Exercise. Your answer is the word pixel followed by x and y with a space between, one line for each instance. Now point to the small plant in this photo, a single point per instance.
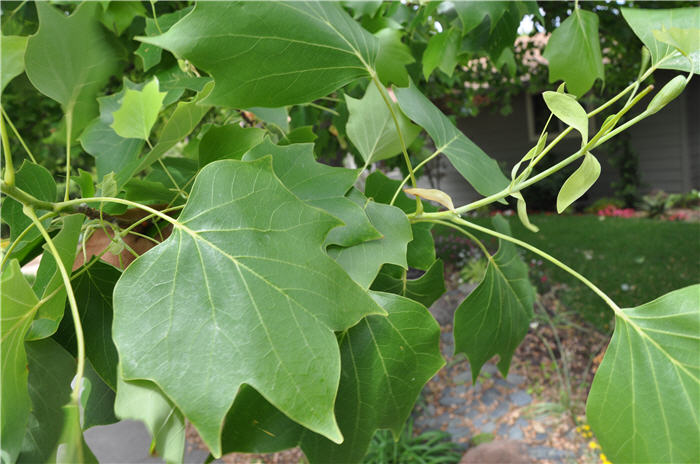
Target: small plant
pixel 431 447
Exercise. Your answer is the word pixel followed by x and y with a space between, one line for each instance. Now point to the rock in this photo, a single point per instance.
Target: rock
pixel 490 396
pixel 500 410
pixel 448 400
pixel 515 379
pixel 466 288
pixel 488 427
pixel 497 452
pixel 515 433
pixel 545 452
pixel 463 377
pixel 520 398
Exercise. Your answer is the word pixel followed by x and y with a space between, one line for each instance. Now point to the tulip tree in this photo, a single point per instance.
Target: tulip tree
pixel 271 307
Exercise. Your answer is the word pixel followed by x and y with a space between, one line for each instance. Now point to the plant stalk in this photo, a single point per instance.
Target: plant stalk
pixel 9 177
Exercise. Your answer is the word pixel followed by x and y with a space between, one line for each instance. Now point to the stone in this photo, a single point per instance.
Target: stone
pixel 515 433
pixel 488 427
pixel 462 377
pixel 545 452
pixel 497 452
pixel 540 437
pixel 520 398
pixel 490 396
pixel 515 379
pixel 500 410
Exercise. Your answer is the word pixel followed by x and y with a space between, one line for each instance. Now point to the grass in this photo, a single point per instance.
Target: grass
pixel 633 260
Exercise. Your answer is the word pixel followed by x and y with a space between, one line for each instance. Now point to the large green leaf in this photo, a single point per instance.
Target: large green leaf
pixel 70 59
pixel 51 370
pixel 363 261
pixel 386 362
pixel 494 318
pixel 37 181
pixel 255 49
pixel 421 250
pixel 643 404
pixel 17 308
pixel 426 289
pixel 150 54
pixel 392 58
pixel 573 52
pixel 441 52
pixel 12 65
pixel 142 400
pixel 241 292
pixel 471 14
pixel 97 400
pixel 645 22
pixel 112 152
pixel 371 128
pixel 481 171
pixel 118 16
pixel 321 186
pixel 49 279
pixel 93 293
pixel 138 111
pixel 228 142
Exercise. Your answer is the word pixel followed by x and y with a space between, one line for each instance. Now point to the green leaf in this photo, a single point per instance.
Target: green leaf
pixel 239 45
pixel 386 361
pixel 321 186
pixel 371 128
pixel 17 309
pixel 573 52
pixel 112 152
pixel 228 142
pixel 70 59
pixel 303 134
pixel 51 370
pixel 643 404
pixel 426 289
pixel 75 449
pixel 85 182
pixel 569 111
pixel 363 261
pixel 97 400
pixel 522 213
pixel 421 250
pixel 49 279
pixel 93 293
pixel 495 317
pixel 578 182
pixel 243 287
pixel 138 112
pixel 37 181
pixel 276 116
pixel 645 22
pixel 12 65
pixel 471 14
pixel 144 401
pixel 481 171
pixel 685 41
pixel 441 52
pixel 119 15
pixel 150 54
pixel 392 58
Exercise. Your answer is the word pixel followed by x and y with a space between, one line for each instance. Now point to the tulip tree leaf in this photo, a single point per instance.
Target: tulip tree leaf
pixel 645 22
pixel 70 59
pixel 573 52
pixel 386 361
pixel 49 279
pixel 240 45
pixel 93 292
pixel 75 449
pixel 138 111
pixel 321 186
pixel 392 58
pixel 142 400
pixel 421 250
pixel 481 171
pixel 371 127
pixel 12 65
pixel 118 16
pixel 150 54
pixel 643 404
pixel 426 289
pixel 568 110
pixel 17 309
pixel 38 182
pixel 363 261
pixel 578 182
pixel 97 400
pixel 441 52
pixel 228 142
pixel 495 317
pixel 260 307
pixel 51 370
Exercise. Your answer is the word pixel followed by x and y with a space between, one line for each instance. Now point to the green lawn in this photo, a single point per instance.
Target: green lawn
pixel 632 260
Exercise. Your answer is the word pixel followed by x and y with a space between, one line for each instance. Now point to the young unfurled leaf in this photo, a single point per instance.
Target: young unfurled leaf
pixel 532 153
pixel 433 195
pixel 579 182
pixel 371 127
pixel 568 110
pixel 138 112
pixel 243 285
pixel 573 52
pixel 667 94
pixel 505 294
pixel 643 404
pixel 645 22
pixel 522 213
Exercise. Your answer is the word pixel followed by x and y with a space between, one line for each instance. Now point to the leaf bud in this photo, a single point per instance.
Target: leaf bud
pixel 671 90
